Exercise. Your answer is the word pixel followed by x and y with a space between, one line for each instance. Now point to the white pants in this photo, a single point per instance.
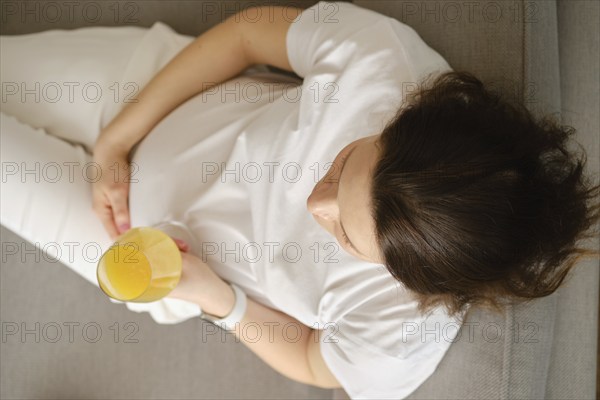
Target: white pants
pixel 59 88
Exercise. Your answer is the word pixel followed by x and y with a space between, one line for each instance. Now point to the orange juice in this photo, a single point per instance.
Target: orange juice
pixel 143 265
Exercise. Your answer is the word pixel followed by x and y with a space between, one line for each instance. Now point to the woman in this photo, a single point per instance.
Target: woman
pixel 452 198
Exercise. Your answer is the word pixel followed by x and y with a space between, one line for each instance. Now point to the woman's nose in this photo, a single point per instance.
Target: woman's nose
pixel 323 200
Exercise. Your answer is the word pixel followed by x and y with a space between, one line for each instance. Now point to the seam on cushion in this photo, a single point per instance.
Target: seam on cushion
pixel 556 37
pixel 509 311
pixel 550 345
pixel 527 39
pixel 524 48
pixel 555 297
pixel 509 316
pixel 506 356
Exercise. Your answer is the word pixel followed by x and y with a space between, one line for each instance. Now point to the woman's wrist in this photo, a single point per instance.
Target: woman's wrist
pixel 205 288
pixel 218 300
pixel 108 148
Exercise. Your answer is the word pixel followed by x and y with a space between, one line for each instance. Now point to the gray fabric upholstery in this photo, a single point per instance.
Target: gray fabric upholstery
pixel 144 360
pixel 577 306
pixel 543 52
pixel 467 42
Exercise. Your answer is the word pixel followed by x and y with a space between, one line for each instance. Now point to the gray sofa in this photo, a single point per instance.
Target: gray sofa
pixel 544 52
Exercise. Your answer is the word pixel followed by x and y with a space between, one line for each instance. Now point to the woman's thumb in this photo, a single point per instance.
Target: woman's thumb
pixel 120 213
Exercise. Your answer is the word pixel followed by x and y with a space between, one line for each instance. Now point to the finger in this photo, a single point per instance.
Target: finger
pixel 120 210
pixel 182 245
pixel 106 217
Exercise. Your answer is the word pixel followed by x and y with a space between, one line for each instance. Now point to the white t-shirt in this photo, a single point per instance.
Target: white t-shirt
pixel 238 162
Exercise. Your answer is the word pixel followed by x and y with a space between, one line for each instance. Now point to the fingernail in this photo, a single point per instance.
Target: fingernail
pixel 124 227
pixel 181 242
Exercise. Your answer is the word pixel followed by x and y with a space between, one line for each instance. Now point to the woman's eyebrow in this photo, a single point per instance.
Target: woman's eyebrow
pixel 339 182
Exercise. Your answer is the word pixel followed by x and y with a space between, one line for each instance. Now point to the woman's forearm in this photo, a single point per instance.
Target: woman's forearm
pixel 278 339
pixel 214 57
pixel 283 341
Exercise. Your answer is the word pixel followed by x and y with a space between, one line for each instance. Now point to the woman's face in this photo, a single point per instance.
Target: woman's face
pixel 341 203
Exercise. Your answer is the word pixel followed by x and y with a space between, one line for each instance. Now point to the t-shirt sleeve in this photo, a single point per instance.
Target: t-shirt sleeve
pixel 331 36
pixel 383 349
pixel 355 61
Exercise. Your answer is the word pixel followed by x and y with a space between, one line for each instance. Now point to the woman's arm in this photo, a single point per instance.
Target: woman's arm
pixel 219 54
pixel 287 345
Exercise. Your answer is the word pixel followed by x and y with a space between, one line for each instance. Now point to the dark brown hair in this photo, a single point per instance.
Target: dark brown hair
pixel 477 202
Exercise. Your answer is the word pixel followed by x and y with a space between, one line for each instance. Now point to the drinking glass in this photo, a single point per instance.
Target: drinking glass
pixel 143 264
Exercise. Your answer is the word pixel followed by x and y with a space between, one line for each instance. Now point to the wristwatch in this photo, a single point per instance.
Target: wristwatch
pixel 228 322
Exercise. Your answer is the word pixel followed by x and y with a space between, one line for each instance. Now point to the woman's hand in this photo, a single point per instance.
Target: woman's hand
pixel 193 278
pixel 199 284
pixel 110 193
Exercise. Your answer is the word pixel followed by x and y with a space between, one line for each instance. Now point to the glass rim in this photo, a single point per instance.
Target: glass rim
pixel 116 244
